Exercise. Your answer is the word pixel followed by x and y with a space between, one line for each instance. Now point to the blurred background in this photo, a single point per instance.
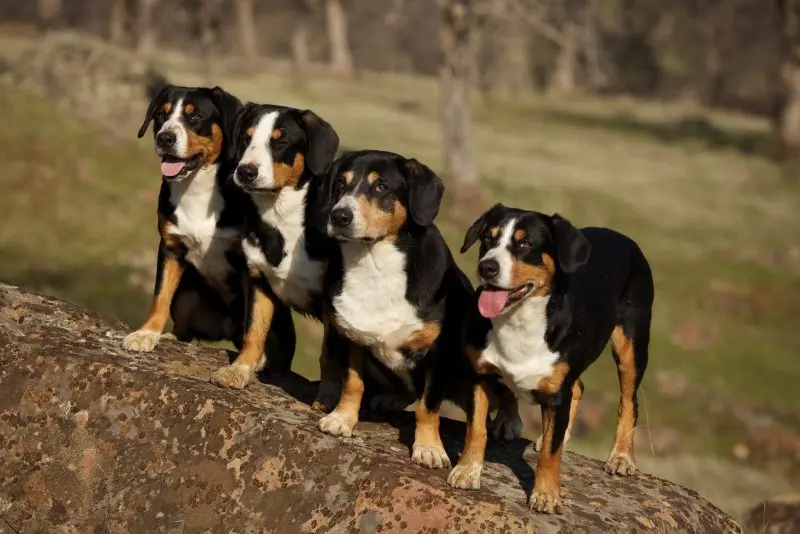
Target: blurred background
pixel 675 122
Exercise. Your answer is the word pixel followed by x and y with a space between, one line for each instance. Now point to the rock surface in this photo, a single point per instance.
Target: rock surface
pixel 780 515
pixel 94 439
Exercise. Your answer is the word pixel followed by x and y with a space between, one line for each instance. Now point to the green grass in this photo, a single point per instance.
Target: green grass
pixel 707 206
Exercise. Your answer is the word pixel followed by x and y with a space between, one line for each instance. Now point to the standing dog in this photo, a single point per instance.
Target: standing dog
pixel 395 293
pixel 551 296
pixel 200 265
pixel 282 155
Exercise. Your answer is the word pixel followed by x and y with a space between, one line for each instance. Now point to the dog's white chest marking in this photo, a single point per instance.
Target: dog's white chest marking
pixel 198 206
pixel 297 277
pixel 517 347
pixel 372 307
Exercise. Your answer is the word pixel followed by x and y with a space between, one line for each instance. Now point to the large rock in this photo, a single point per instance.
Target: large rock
pixel 780 515
pixel 95 439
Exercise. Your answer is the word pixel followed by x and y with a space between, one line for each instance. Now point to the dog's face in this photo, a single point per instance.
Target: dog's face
pixel 375 194
pixel 520 252
pixel 274 145
pixel 190 126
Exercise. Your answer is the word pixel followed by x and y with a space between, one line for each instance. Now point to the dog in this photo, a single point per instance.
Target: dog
pixel 550 298
pixel 394 292
pixel 281 157
pixel 200 266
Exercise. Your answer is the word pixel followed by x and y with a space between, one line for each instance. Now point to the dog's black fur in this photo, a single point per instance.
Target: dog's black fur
pixel 574 289
pixel 199 276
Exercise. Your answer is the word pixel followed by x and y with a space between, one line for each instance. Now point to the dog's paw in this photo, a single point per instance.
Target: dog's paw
pixel 141 341
pixel 388 402
pixel 537 446
pixel 620 463
pixel 234 376
pixel 546 502
pixel 327 397
pixel 507 426
pixel 466 476
pixel 336 424
pixel 432 457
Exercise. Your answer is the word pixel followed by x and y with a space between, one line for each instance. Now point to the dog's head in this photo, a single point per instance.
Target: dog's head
pixel 191 125
pixel 274 145
pixel 374 194
pixel 520 252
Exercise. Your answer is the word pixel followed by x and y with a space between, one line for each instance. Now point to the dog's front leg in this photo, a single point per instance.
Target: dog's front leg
pixel 546 496
pixel 340 422
pixel 169 269
pixel 467 474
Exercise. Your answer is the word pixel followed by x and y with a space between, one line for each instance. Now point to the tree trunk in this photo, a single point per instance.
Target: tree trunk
pixel 300 56
pixel 245 12
pixel 341 58
pixel 459 167
pixel 117 22
pixel 513 73
pixel 786 119
pixel 564 76
pixel 592 47
pixel 146 35
pixel 208 25
pixel 50 13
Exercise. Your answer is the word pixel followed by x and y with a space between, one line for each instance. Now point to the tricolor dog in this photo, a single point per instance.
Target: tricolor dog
pixel 282 154
pixel 550 298
pixel 199 275
pixel 395 294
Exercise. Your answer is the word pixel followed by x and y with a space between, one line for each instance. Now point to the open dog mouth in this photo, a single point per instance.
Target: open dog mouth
pixel 493 300
pixel 173 167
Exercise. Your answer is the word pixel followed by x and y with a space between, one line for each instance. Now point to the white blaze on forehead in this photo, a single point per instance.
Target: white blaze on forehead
pixel 502 255
pixel 175 125
pixel 259 153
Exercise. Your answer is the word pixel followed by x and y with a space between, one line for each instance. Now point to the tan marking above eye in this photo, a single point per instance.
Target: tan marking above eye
pixel 494 231
pixel 373 177
pixel 348 176
pixel 250 131
pixel 188 108
pixel 167 107
pixel 276 134
pixel 520 234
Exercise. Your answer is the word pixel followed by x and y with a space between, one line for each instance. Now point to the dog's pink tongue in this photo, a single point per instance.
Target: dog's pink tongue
pixel 491 302
pixel 172 168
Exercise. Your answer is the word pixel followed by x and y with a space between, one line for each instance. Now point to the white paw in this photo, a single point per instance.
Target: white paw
pixel 141 340
pixel 235 376
pixel 620 463
pixel 388 402
pixel 546 502
pixel 433 457
pixel 507 426
pixel 466 476
pixel 336 425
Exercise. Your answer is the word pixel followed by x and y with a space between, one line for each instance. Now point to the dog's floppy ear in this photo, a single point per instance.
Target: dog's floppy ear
pixel 477 228
pixel 232 140
pixel 572 247
pixel 228 106
pixel 323 199
pixel 425 191
pixel 322 142
pixel 157 101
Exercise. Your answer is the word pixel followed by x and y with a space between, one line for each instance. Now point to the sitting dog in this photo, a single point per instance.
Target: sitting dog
pixel 395 294
pixel 282 155
pixel 551 296
pixel 199 275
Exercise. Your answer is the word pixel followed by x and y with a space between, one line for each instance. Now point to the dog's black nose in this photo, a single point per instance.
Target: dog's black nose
pixel 488 269
pixel 342 217
pixel 247 173
pixel 165 139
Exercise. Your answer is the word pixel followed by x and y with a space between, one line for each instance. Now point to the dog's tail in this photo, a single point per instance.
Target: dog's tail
pixel 154 81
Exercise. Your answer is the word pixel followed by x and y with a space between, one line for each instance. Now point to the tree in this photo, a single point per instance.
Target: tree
pixel 207 23
pixel 301 61
pixel 341 58
pixel 459 18
pixel 245 13
pixel 118 22
pixel 146 29
pixel 786 120
pixel 50 13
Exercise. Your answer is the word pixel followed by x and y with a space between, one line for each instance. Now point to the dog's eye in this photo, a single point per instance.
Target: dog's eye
pixel 523 244
pixel 196 117
pixel 380 187
pixel 338 186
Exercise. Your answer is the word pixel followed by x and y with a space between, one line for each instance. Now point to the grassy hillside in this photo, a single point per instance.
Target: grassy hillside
pixel 714 216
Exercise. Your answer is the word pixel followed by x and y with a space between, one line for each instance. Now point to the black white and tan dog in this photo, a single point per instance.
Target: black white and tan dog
pixel 282 154
pixel 395 294
pixel 199 275
pixel 550 298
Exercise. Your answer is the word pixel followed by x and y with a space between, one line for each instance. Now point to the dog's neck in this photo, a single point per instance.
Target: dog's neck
pixel 197 191
pixel 530 314
pixel 284 210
